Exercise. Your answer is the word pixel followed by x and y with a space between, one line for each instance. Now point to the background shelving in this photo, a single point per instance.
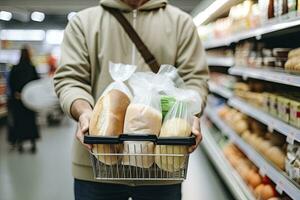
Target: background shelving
pixel 283 183
pixel 267 74
pixel 229 175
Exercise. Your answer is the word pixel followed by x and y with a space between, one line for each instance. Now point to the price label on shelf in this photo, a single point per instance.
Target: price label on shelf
pixel 262 171
pixel 271 126
pixel 290 137
pixel 279 187
pixel 245 77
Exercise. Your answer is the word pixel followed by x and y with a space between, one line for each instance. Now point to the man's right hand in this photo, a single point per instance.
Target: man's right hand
pixel 81 111
pixel 83 127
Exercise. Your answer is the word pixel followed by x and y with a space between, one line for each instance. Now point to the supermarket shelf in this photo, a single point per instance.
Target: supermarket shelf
pixel 220 61
pixel 234 182
pixel 220 90
pixel 270 27
pixel 282 182
pixel 267 74
pixel 291 132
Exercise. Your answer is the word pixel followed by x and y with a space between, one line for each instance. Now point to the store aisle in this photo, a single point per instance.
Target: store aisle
pixel 47 175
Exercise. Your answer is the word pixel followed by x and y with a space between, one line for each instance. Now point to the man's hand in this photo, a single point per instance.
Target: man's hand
pixel 83 128
pixel 197 133
pixel 81 111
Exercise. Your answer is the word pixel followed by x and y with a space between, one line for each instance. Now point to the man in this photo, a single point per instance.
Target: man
pixel 92 39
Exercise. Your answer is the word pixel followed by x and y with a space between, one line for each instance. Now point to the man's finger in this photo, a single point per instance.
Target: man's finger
pixel 80 137
pixel 84 124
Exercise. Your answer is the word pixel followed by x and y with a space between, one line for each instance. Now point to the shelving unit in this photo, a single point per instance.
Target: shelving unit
pixel 272 26
pixel 220 61
pixel 237 186
pixel 225 93
pixel 291 132
pixel 283 183
pixel 267 74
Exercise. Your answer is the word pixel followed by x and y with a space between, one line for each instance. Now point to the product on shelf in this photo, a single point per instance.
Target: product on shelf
pixel 262 187
pixel 293 62
pixel 271 145
pixel 282 104
pixel 292 162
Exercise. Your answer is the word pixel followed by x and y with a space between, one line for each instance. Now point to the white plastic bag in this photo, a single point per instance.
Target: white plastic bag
pixel 109 112
pixel 171 72
pixel 177 123
pixel 39 95
pixel 144 116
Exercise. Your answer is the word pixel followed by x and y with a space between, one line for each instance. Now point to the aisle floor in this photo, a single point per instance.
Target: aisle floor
pixel 46 175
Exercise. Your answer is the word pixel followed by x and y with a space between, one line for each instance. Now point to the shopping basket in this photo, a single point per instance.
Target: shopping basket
pixel 170 157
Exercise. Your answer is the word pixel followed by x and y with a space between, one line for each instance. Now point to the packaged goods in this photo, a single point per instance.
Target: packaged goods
pixel 294 53
pixel 177 123
pixel 278 8
pixel 277 156
pixel 295 113
pixel 109 112
pixel 283 108
pixel 293 64
pixel 292 162
pixel 144 116
pixel 266 102
pixel 273 104
pixel 166 104
pixel 292 5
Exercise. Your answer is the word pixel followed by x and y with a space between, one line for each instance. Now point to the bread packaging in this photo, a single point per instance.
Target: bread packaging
pixel 177 123
pixel 109 112
pixel 143 116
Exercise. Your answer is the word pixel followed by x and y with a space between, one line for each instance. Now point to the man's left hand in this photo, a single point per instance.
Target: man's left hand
pixel 196 131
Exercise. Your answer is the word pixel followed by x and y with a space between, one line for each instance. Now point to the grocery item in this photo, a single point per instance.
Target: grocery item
pixel 175 127
pixel 166 104
pixel 294 53
pixel 295 113
pixel 109 112
pixel 265 192
pixel 177 123
pixel 277 156
pixel 283 108
pixel 292 5
pixel 143 116
pixel 273 104
pixel 107 120
pixel 292 163
pixel 254 179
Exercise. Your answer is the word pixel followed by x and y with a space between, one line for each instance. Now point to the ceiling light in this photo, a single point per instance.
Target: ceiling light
pixel 37 16
pixel 22 35
pixel 6 16
pixel 71 15
pixel 210 10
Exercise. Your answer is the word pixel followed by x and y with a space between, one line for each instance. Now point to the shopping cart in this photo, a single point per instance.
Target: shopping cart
pixel 140 157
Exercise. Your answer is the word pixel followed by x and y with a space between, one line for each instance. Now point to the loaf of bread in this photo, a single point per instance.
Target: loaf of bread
pixel 174 127
pixel 141 119
pixel 294 53
pixel 107 120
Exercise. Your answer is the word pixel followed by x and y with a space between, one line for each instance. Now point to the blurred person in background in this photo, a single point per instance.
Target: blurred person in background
pixel 93 38
pixel 23 121
pixel 51 61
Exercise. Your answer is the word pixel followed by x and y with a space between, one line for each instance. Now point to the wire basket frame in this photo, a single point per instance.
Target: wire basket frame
pixel 139 157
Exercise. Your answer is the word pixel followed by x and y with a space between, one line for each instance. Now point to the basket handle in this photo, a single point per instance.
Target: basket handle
pixel 184 141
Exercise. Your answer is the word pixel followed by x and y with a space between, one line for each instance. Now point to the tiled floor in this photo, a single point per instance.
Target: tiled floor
pixel 47 176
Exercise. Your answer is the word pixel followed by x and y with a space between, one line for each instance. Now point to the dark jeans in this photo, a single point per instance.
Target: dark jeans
pixel 85 190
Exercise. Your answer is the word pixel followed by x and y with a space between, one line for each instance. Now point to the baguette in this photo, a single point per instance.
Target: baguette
pixel 107 120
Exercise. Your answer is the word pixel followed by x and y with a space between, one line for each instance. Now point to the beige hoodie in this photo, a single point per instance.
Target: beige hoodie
pixel 94 37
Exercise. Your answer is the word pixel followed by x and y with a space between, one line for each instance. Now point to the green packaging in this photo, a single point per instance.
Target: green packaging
pixel 166 104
